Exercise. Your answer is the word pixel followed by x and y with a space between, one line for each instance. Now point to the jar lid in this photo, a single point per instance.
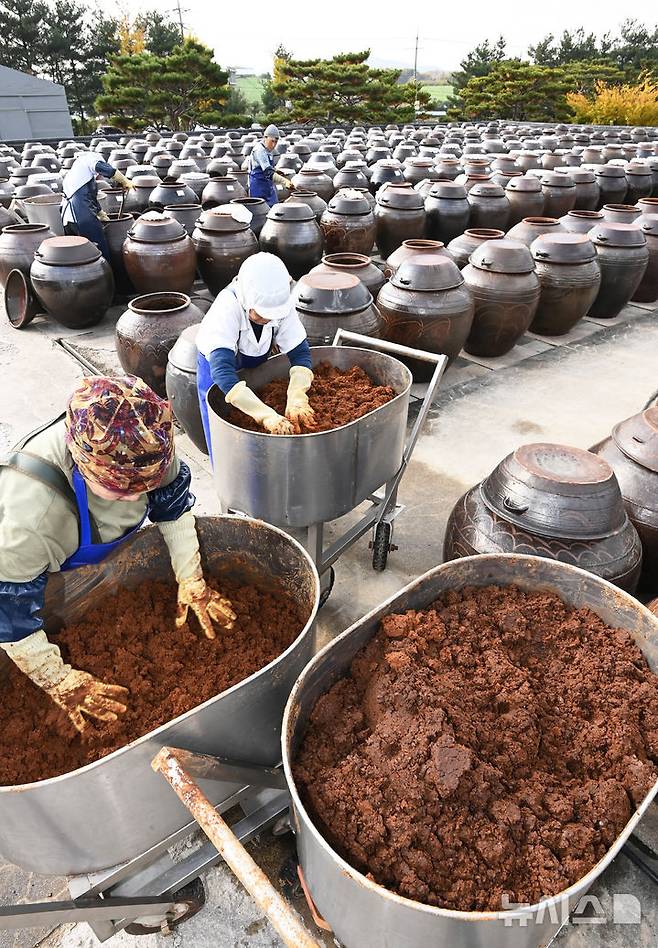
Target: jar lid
pixel 225 219
pixel 448 190
pixel 427 273
pixel 149 181
pixel 331 292
pixel 488 189
pixel 524 183
pixel 612 234
pixel 184 353
pixel 610 171
pixel 400 196
pixel 637 438
pixel 155 228
pixel 554 180
pixel 649 224
pixel 563 248
pixel 292 211
pixel 503 256
pixel 67 251
pixel 579 175
pixel 350 202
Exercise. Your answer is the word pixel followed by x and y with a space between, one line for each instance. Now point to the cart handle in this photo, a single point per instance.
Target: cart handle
pixel 393 348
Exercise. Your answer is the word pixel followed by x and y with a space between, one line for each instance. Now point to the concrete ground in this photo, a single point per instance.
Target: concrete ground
pixel 568 390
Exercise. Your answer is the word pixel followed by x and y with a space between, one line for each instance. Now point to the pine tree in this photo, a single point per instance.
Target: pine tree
pixel 518 91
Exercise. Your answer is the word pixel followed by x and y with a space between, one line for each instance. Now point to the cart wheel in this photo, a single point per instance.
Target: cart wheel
pixel 326 592
pixel 381 545
pixel 193 894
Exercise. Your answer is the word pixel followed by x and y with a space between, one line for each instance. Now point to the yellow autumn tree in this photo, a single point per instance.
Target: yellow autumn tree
pixel 132 36
pixel 630 104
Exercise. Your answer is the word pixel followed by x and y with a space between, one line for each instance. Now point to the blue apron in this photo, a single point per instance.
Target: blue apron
pixel 204 382
pixel 86 223
pixel 89 553
pixel 260 186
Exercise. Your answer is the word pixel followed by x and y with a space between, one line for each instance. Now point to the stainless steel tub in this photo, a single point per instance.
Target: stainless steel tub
pixel 116 808
pixel 366 915
pixel 298 480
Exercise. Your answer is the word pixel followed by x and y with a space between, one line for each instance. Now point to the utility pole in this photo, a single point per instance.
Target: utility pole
pixel 416 75
pixel 180 21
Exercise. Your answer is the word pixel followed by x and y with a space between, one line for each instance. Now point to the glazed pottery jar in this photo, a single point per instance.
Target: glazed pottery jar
pixel 448 211
pixel 311 199
pixel 416 170
pixel 258 209
pixel 612 185
pixel 72 281
pixel 221 191
pixel 385 172
pixel 647 291
pixel 116 230
pixel 292 232
pixel 463 246
pixel 531 227
pixel 159 255
pixel 525 198
pixel 559 192
pixel 358 264
pixel 170 192
pixel 623 258
pixel 148 330
pixel 648 205
pixel 587 189
pixel 7 191
pixel 186 214
pixel 399 215
pixel 469 181
pixel 137 200
pixel 222 243
pixel 350 178
pixel 413 248
pixel 17 245
pixel 640 182
pixel 550 500
pixel 620 213
pixel 348 224
pixel 580 222
pixel 505 289
pixel 448 168
pixel 314 179
pixel 426 305
pixel 570 277
pixel 181 387
pixel 632 453
pixel 327 301
pixel 197 182
pixel 489 206
pixel 111 200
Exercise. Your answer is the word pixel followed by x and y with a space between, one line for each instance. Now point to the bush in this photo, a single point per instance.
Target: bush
pixel 630 104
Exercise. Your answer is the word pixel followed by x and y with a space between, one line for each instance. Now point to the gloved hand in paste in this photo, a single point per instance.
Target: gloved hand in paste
pixel 297 405
pixel 206 604
pixel 247 401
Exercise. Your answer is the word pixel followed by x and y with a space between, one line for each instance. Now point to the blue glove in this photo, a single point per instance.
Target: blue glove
pixel 171 502
pixel 20 605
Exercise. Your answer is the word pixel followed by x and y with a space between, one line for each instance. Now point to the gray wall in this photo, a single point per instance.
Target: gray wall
pixel 32 108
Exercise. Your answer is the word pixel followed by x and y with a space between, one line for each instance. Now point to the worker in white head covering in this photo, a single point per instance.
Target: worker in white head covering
pixel 246 319
pixel 262 176
pixel 81 213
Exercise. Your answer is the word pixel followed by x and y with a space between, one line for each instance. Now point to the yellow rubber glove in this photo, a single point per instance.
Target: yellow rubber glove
pixel 122 181
pixel 297 406
pixel 247 401
pixel 206 604
pixel 102 216
pixel 283 181
pixel 78 693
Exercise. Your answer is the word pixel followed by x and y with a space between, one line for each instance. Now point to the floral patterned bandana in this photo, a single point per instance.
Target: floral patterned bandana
pixel 120 433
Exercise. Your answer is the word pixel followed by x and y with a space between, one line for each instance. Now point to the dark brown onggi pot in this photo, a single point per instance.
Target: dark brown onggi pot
pixel 580 222
pixel 525 198
pixel 426 305
pixel 570 277
pixel 181 386
pixel 448 211
pixel 116 230
pixel 559 192
pixel 328 301
pixel 258 208
pixel 623 258
pixel 529 229
pixel 72 281
pixel 348 224
pixel 358 264
pixel 640 182
pixel 138 199
pixel 314 179
pixel 17 245
pixel 311 199
pixel 171 192
pixel 416 170
pixel 159 255
pixel 399 215
pixel 554 501
pixel 489 206
pixel 587 189
pixel 7 191
pixel 112 200
pixel 632 453
pixel 505 289
pixel 469 181
pixel 413 248
pixel 620 213
pixel 292 232
pixel 647 291
pixel 385 172
pixel 148 330
pixel 221 191
pixel 448 168
pixel 612 185
pixel 20 302
pixel 463 246
pixel 222 245
pixel 350 178
pixel 185 214
pixel 649 205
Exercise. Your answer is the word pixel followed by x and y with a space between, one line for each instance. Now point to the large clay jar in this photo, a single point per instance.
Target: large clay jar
pixel 385 172
pixel 559 192
pixel 185 214
pixel 357 264
pixel 116 230
pixel 489 206
pixel 570 277
pixel 623 257
pixel 171 192
pixel 314 179
pixel 181 387
pixel 147 331
pixel 159 255
pixel 525 198
pixel 138 199
pixel 550 500
pixel 640 182
pixel 448 168
pixel 258 209
pixel 448 211
pixel 292 232
pixel 311 199
pixel 416 170
pixel 350 178
pixel 647 291
pixel 72 280
pixel 587 189
pixel 17 245
pixel 620 213
pixel 426 305
pixel 7 191
pixel 327 301
pixel 414 248
pixel 505 289
pixel 221 191
pixel 348 224
pixel 529 229
pixel 463 246
pixel 580 222
pixel 632 453
pixel 612 185
pixel 399 215
pixel 222 244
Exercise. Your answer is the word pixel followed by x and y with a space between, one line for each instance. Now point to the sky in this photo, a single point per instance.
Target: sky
pixel 246 34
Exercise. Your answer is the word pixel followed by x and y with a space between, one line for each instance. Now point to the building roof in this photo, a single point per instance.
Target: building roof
pixel 14 82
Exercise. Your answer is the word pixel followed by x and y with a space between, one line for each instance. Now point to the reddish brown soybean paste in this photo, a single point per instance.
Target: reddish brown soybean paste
pixel 336 397
pixel 494 743
pixel 130 639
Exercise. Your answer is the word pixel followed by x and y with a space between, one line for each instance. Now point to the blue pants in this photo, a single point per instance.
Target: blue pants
pixel 87 224
pixel 262 187
pixel 204 382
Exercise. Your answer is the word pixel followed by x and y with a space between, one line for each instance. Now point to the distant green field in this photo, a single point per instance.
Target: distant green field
pixel 440 93
pixel 251 87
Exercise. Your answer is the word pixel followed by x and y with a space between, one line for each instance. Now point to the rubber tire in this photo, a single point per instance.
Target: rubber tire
pixel 194 893
pixel 381 545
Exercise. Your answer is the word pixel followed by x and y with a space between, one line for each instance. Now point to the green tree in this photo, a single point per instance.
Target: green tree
pixel 519 91
pixel 161 33
pixel 479 62
pixel 177 90
pixel 22 34
pixel 344 89
pixel 636 49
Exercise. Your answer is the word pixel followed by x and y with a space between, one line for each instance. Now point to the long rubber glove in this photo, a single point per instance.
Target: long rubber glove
pixel 247 401
pixel 78 693
pixel 297 406
pixel 282 180
pixel 122 181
